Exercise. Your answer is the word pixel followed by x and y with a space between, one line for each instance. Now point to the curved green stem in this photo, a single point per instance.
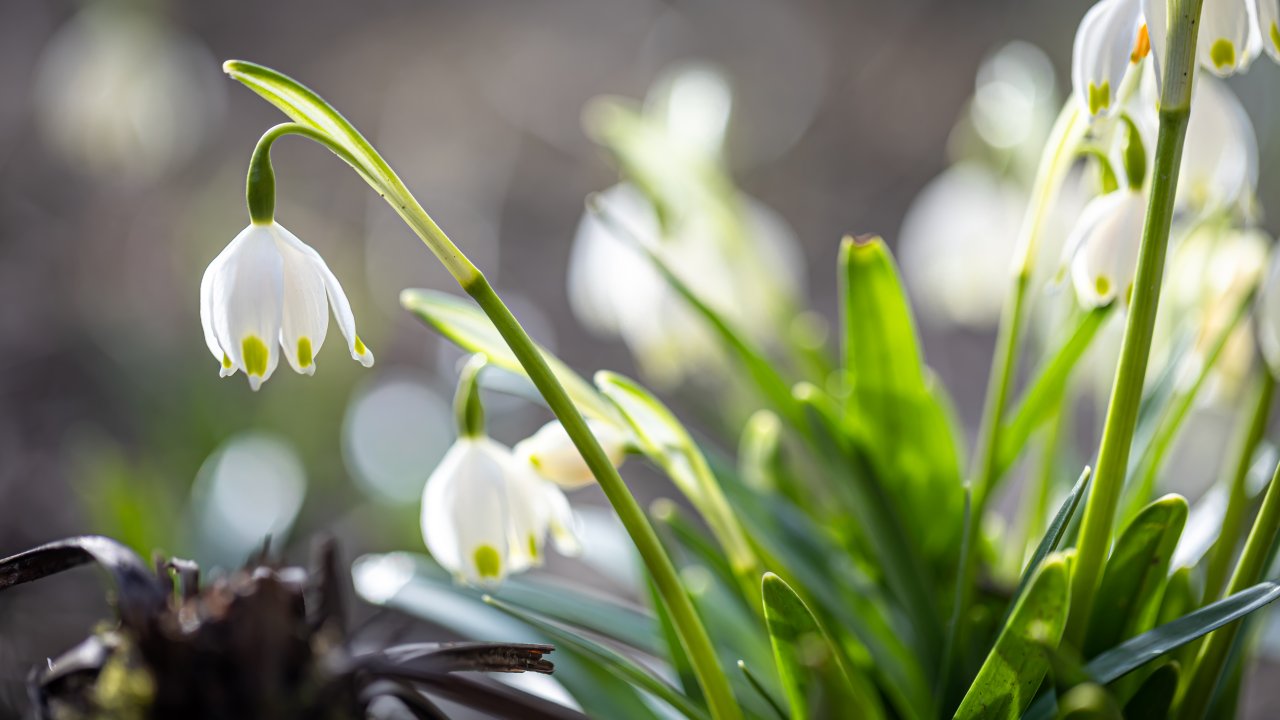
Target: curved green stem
pixel 319 121
pixel 260 187
pixel 1126 394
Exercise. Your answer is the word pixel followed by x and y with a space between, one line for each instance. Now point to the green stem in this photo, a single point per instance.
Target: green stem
pixel 1238 499
pixel 1126 394
pixel 1206 671
pixel 693 635
pixel 468 411
pixel 365 160
pixel 1059 152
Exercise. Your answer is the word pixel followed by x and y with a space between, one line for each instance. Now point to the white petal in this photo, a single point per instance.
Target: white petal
pixel 1101 52
pixel 305 314
pixel 246 302
pixel 553 455
pixel 1220 156
pixel 337 298
pixel 464 513
pixel 1227 43
pixel 1269 27
pixel 529 517
pixel 1156 13
pixel 1107 239
pixel 225 366
pixel 565 525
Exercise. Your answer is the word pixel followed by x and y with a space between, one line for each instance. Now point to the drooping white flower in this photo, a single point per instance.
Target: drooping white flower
pixel 267 291
pixel 1111 37
pixel 1105 243
pixel 485 515
pixel 1228 40
pixel 552 454
pixel 1269 27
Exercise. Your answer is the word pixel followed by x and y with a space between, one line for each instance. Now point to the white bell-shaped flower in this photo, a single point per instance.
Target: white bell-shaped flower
pixel 1220 155
pixel 1105 245
pixel 485 515
pixel 1110 38
pixel 268 290
pixel 552 454
pixel 1228 40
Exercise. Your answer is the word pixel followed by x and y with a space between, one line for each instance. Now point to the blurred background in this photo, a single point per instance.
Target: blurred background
pixel 122 158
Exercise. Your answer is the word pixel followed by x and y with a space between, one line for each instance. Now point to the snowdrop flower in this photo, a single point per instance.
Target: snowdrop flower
pixel 1111 37
pixel 1220 155
pixel 1228 40
pixel 1105 245
pixel 485 514
pixel 1269 27
pixel 553 455
pixel 268 291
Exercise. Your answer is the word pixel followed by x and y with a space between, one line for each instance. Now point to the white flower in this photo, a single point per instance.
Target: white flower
pixel 1110 38
pixel 484 515
pixel 552 454
pixel 1220 155
pixel 1105 245
pixel 267 289
pixel 1228 40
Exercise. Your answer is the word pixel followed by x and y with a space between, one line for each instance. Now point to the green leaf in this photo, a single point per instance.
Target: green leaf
pixel 666 442
pixel 895 406
pixel 1044 393
pixel 1136 652
pixel 1128 597
pixel 463 324
pixel 1017 664
pixel 605 658
pixel 809 663
pixel 1053 535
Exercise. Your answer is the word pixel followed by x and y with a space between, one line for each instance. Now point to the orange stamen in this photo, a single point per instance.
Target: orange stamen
pixel 1142 46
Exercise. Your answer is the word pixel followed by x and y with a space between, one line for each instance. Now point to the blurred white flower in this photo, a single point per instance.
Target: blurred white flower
pixel 552 454
pixel 486 515
pixel 1267 320
pixel 1269 27
pixel 1014 99
pixel 268 288
pixel 614 289
pixel 1220 155
pixel 1104 246
pixel 1110 38
pixel 118 92
pixel 956 241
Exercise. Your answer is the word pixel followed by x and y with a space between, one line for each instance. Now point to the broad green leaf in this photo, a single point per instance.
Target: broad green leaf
pixel 606 658
pixel 666 442
pixel 809 663
pixel 1155 695
pixel 463 324
pixel 1136 652
pixel 1044 393
pixel 894 405
pixel 413 586
pixel 1128 597
pixel 1017 664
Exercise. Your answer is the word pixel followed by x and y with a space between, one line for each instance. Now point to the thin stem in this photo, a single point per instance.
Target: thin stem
pixel 1206 671
pixel 693 635
pixel 1238 497
pixel 375 171
pixel 1126 394
pixel 1059 152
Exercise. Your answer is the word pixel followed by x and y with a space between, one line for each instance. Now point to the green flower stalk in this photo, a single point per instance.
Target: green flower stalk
pixel 329 128
pixel 1122 413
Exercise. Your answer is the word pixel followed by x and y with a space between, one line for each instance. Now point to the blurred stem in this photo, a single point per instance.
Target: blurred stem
pixel 1238 498
pixel 1126 394
pixel 693 635
pixel 1208 666
pixel 1054 163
